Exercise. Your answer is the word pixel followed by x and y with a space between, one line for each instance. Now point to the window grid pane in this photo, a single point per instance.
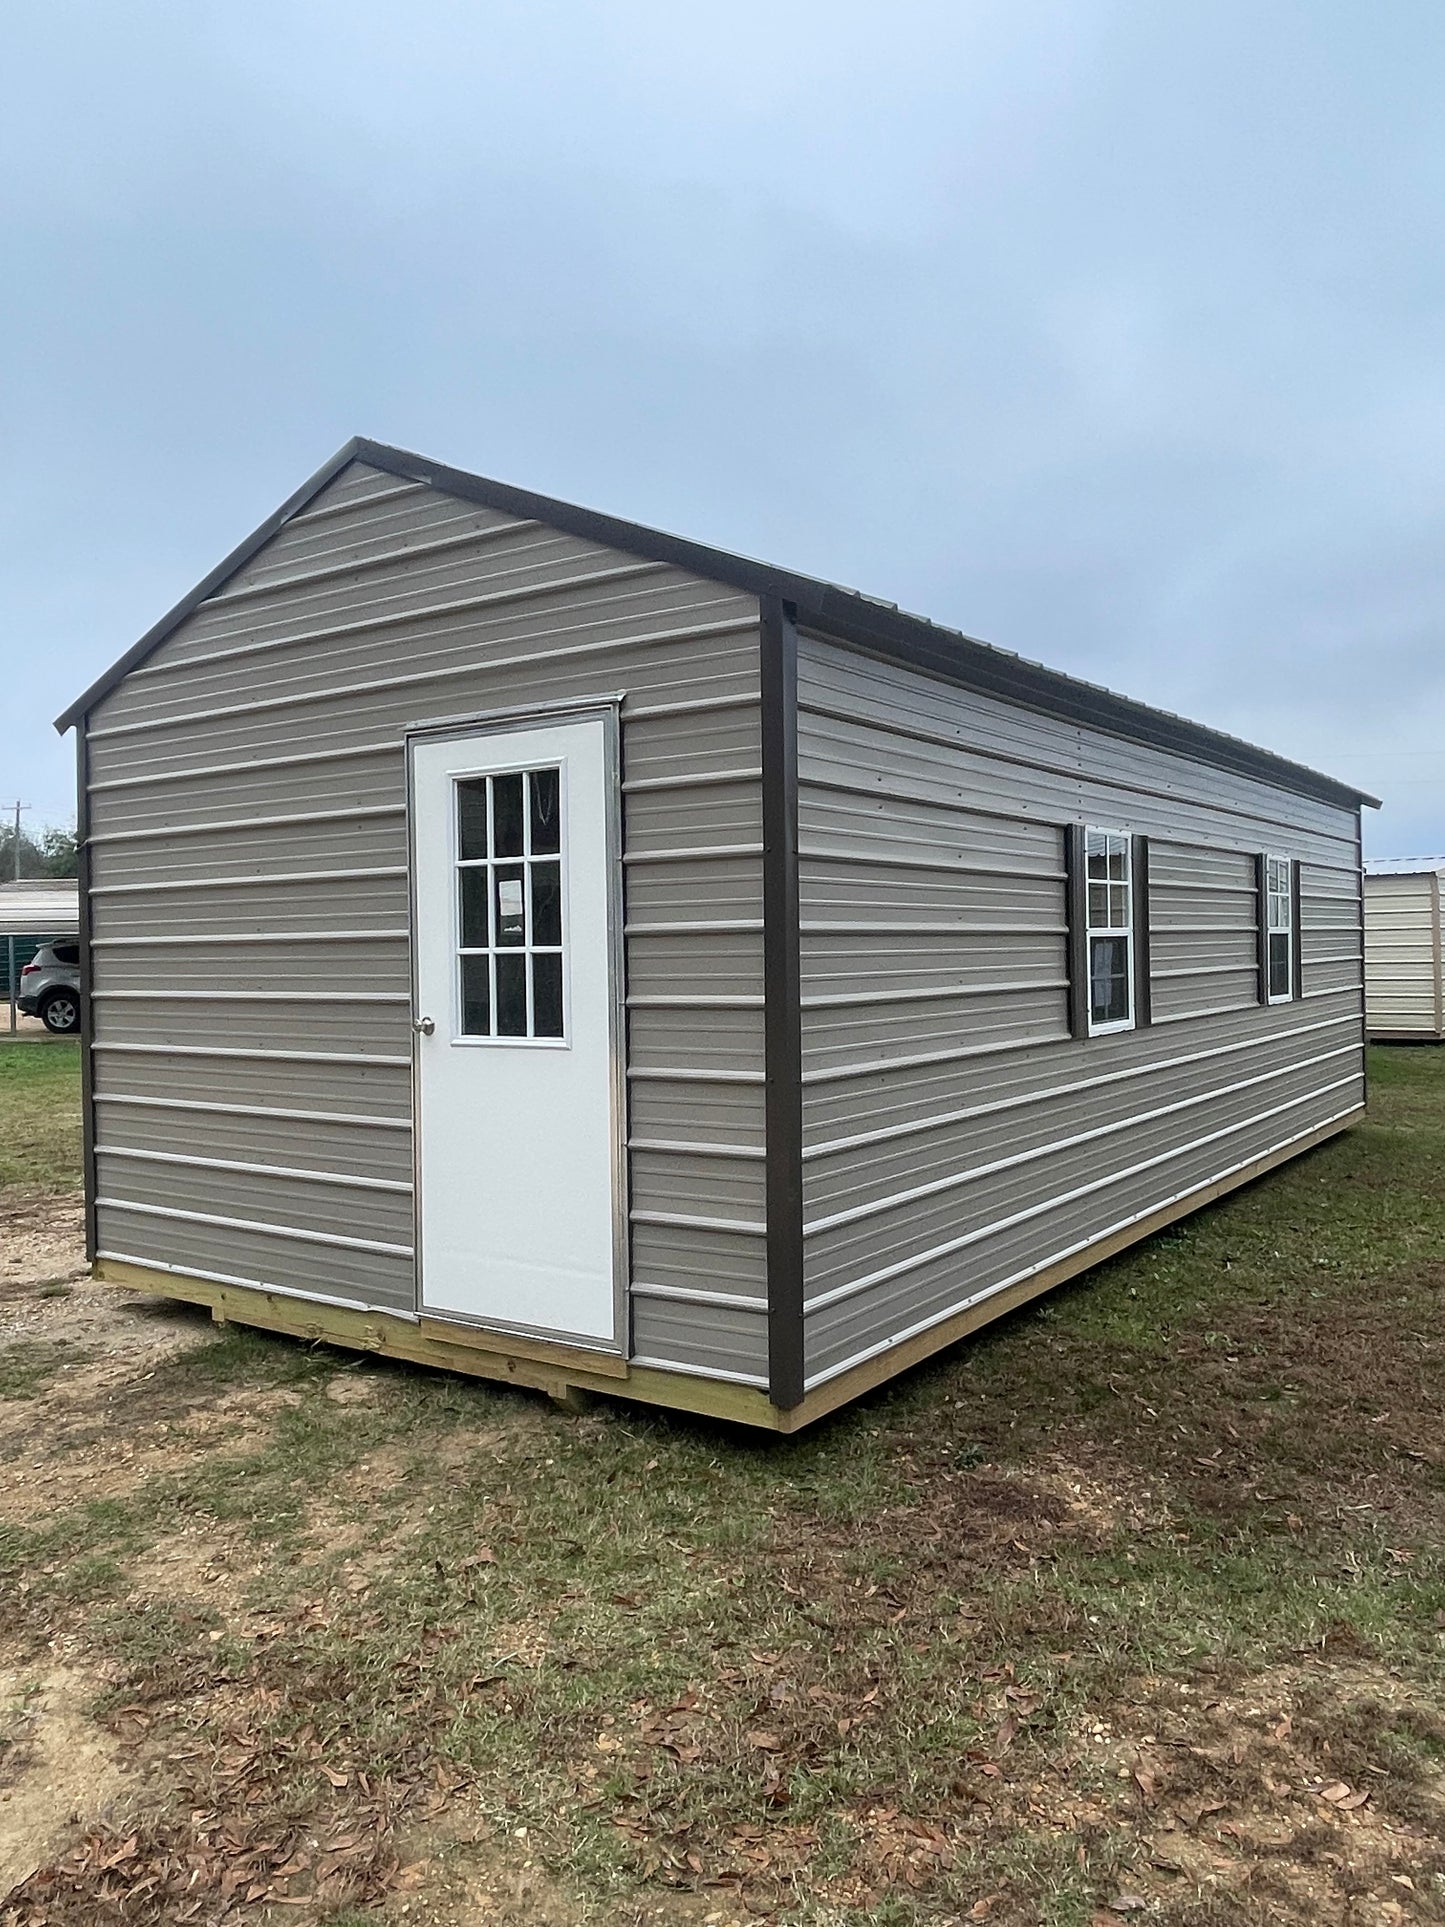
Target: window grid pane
pixel 1109 979
pixel 509 905
pixel 1279 925
pixel 1279 963
pixel 1110 933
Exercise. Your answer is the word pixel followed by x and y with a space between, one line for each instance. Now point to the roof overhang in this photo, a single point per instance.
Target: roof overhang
pixel 834 612
pixel 48 908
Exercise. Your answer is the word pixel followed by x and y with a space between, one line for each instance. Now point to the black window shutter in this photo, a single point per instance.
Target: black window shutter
pixel 1261 924
pixel 1296 941
pixel 1139 872
pixel 1076 918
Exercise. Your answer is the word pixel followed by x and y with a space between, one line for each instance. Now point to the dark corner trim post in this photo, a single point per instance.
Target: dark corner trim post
pixel 782 996
pixel 87 1090
pixel 1143 973
pixel 1076 924
pixel 1261 924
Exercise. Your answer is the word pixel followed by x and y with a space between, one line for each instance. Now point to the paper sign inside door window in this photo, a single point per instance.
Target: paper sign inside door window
pixel 509 903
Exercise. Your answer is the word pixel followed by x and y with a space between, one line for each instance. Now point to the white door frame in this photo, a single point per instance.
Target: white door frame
pixel 495 722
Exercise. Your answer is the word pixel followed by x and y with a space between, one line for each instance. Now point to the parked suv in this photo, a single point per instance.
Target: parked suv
pixel 50 985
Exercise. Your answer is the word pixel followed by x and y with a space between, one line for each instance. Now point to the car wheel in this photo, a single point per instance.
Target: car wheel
pixel 61 1012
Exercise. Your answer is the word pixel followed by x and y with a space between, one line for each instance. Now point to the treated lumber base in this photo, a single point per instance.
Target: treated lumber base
pixel 569 1374
pixel 560 1371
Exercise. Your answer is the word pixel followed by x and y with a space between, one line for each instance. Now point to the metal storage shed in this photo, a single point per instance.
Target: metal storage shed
pixel 612 963
pixel 1404 983
pixel 32 911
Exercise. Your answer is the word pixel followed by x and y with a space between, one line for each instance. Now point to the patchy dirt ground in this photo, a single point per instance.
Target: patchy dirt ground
pixel 1135 1607
pixel 58 1769
pixel 43 1244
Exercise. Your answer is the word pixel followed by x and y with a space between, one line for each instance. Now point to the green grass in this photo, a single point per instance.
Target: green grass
pixel 1207 1476
pixel 40 1113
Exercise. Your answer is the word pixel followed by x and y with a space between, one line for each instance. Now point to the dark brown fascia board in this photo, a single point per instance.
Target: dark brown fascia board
pixel 838 614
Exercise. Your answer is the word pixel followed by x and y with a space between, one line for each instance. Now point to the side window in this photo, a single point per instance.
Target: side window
pixel 509 905
pixel 1109 932
pixel 1279 928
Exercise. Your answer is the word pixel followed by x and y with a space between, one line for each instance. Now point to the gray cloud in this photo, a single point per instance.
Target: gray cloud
pixel 1109 333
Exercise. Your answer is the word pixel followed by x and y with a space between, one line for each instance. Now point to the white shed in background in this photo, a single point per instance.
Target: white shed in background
pixel 1404 988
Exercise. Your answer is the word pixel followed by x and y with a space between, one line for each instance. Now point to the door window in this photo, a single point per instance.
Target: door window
pixel 509 905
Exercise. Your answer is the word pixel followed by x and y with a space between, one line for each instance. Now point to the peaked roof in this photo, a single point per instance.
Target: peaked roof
pixel 1404 866
pixel 844 614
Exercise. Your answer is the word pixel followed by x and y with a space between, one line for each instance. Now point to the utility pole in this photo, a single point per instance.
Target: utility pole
pixel 15 847
pixel 10 941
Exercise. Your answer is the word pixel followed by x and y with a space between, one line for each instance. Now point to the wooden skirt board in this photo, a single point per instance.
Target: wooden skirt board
pixel 563 1371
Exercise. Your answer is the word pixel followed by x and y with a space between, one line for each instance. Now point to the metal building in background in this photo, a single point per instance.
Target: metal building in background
pixel 612 963
pixel 32 911
pixel 1404 980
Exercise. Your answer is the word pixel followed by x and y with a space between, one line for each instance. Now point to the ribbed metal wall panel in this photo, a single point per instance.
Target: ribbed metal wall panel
pixel 956 1137
pixel 1203 929
pixel 360 837
pixel 1332 930
pixel 937 1285
pixel 661 659
pixel 247 811
pixel 1404 995
pixel 701 1040
pixel 904 1095
pixel 1003 1172
pixel 341 1021
pixel 242 1188
pixel 246 906
pixel 1021 1114
pixel 300 1080
pixel 154 802
pixel 682 1109
pixel 731 1343
pixel 370 1149
pixel 878 729
pixel 244 1251
pixel 306 966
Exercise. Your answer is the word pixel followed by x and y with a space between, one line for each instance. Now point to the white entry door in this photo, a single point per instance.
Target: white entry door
pixel 516 1026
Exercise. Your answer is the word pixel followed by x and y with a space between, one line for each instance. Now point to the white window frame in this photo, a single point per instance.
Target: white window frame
pixel 1284 895
pixel 1111 930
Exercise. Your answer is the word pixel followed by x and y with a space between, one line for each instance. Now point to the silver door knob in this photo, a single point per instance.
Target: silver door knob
pixel 423 1026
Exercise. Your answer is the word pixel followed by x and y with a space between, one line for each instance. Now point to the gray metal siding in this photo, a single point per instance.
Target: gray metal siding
pixel 956 1138
pixel 1203 930
pixel 250 911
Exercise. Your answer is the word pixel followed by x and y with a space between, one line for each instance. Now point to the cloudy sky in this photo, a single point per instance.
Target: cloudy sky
pixel 1112 333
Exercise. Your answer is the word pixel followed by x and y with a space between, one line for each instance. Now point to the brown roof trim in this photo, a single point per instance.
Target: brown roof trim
pixel 839 613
